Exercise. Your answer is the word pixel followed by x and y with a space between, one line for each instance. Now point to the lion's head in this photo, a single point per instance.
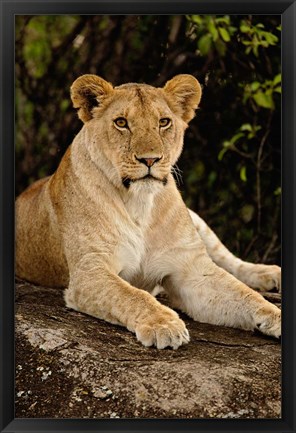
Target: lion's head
pixel 136 129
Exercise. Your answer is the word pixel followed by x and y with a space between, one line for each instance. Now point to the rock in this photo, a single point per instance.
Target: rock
pixel 70 365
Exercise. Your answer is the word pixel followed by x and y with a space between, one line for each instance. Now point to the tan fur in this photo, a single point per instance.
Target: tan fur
pixel 110 234
pixel 258 276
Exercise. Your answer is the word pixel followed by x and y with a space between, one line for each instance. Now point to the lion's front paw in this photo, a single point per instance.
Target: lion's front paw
pixel 163 330
pixel 269 322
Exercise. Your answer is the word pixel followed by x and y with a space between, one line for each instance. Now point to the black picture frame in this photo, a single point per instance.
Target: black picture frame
pixel 287 9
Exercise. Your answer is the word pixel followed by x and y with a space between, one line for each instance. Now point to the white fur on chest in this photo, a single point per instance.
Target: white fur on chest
pixel 132 247
pixel 139 204
pixel 129 254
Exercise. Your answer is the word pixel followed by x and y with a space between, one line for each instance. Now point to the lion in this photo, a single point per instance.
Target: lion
pixel 110 224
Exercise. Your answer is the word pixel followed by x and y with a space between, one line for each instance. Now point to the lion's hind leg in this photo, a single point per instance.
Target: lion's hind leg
pixel 209 294
pixel 258 276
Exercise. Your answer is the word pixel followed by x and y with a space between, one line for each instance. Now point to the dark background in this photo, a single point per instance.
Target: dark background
pixel 231 163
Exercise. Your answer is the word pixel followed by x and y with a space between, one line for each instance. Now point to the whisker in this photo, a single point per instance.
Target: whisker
pixel 177 173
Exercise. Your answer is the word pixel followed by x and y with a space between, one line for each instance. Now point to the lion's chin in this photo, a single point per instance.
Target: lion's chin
pixel 149 181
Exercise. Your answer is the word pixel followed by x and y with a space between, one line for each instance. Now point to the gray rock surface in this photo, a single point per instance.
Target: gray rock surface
pixel 69 365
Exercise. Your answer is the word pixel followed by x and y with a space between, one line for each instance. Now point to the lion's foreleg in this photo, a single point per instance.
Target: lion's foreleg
pixel 102 294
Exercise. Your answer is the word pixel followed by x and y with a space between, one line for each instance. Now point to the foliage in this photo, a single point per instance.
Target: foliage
pixel 231 159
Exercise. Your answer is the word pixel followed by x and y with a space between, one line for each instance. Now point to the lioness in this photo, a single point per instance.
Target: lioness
pixel 110 223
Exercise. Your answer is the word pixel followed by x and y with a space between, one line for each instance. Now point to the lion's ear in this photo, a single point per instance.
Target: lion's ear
pixel 185 92
pixel 87 92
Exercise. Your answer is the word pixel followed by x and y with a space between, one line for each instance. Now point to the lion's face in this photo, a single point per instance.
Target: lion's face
pixel 138 128
pixel 144 136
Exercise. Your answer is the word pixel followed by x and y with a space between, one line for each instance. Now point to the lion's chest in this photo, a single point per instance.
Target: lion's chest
pixel 132 249
pixel 129 254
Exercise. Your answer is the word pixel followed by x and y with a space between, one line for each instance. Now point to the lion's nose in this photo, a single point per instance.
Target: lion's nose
pixel 148 161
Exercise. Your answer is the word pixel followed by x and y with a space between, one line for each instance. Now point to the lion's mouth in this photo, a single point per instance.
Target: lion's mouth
pixel 128 181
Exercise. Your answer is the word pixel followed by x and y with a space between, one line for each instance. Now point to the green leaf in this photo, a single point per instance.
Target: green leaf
pixel 232 29
pixel 224 20
pixel 211 178
pixel 226 144
pixel 205 44
pixel 221 153
pixel 213 30
pixel 236 137
pixel 264 44
pixel 243 173
pixel 197 19
pixel 247 212
pixel 270 38
pixel 278 89
pixel 255 85
pixel 224 34
pixel 244 28
pixel 199 169
pixel 221 47
pixel 263 100
pixel 64 105
pixel 246 127
pixel 277 79
pixel 278 191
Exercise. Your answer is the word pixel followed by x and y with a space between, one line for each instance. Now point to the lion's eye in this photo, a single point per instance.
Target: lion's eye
pixel 164 122
pixel 121 122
